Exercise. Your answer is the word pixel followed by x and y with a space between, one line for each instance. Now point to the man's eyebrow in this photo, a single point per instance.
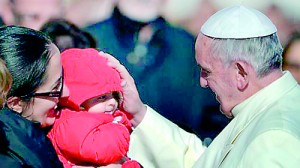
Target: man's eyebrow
pixel 204 69
pixel 200 66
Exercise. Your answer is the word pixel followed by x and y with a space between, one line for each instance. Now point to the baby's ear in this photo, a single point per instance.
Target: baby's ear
pixel 15 104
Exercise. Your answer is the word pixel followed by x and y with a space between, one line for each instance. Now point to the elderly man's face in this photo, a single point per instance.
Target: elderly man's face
pixel 34 13
pixel 215 76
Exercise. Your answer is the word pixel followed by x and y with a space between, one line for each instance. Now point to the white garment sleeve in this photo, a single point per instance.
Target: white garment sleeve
pixel 159 143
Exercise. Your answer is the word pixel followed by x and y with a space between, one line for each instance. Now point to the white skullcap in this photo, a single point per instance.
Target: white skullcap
pixel 238 22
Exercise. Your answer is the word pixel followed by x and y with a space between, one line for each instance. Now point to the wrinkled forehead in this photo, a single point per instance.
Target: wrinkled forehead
pixel 203 44
pixel 203 39
pixel 204 51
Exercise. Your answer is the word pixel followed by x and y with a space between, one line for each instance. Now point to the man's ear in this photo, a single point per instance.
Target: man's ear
pixel 242 75
pixel 15 104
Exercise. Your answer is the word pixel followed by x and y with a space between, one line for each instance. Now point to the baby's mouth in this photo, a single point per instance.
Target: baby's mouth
pixel 109 112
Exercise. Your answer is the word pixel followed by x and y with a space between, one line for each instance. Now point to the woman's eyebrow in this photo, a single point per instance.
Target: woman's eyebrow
pixel 57 82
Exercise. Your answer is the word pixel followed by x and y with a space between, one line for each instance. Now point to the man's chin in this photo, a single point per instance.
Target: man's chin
pixel 228 114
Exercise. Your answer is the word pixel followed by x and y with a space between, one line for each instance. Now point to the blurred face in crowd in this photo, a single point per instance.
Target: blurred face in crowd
pixel 292 60
pixel 34 13
pixel 141 10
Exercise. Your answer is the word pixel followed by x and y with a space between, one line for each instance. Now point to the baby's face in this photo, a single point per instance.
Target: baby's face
pixel 106 103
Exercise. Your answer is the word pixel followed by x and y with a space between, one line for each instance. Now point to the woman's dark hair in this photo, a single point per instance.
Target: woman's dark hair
pixel 26 53
pixel 67 35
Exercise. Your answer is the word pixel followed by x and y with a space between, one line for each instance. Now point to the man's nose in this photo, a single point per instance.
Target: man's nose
pixel 203 82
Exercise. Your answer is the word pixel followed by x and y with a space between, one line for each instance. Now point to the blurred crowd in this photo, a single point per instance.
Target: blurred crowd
pixel 189 14
pixel 144 29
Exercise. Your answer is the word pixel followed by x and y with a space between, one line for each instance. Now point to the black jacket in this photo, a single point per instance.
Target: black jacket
pixel 24 144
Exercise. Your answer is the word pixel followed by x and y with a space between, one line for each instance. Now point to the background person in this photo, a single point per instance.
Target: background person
pixel 65 35
pixel 34 13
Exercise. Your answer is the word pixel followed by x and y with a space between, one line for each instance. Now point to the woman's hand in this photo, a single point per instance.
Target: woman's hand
pixel 131 102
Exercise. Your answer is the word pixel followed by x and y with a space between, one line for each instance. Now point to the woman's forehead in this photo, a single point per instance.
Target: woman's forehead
pixel 54 68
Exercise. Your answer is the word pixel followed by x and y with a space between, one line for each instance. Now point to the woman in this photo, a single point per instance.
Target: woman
pixel 34 64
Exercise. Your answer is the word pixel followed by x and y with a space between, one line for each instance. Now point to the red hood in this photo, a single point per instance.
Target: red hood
pixel 87 74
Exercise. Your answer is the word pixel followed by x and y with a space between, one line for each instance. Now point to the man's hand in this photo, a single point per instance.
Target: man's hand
pixel 131 102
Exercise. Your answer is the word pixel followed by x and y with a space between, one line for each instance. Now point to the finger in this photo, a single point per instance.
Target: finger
pixel 113 62
pixel 109 57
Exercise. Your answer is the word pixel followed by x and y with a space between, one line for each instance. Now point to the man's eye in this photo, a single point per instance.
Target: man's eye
pixel 204 73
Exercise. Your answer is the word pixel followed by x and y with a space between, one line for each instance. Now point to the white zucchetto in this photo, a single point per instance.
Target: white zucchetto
pixel 238 22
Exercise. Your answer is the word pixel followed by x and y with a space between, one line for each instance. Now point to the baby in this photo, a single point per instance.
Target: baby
pixel 91 130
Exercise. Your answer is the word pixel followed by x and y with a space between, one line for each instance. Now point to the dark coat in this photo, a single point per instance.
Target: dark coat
pixel 24 144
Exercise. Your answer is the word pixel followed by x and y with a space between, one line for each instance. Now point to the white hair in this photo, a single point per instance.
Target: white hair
pixel 264 54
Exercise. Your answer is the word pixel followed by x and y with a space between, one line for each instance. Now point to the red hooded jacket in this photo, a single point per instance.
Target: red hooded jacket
pixel 82 138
